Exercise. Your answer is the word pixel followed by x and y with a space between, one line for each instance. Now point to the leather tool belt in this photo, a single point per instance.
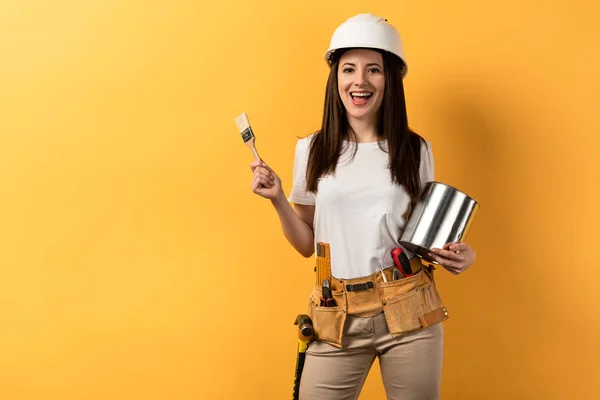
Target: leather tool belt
pixel 409 304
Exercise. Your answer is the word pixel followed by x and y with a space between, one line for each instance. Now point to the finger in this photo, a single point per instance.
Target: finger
pixel 458 247
pixel 447 263
pixel 256 187
pixel 266 178
pixel 453 270
pixel 260 181
pixel 265 174
pixel 458 270
pixel 450 255
pixel 440 260
pixel 261 170
pixel 448 246
pixel 264 165
pixel 254 166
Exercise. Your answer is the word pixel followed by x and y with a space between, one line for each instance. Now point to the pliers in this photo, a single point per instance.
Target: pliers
pixel 327 299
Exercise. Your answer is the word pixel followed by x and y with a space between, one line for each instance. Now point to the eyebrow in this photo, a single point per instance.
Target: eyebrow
pixel 368 65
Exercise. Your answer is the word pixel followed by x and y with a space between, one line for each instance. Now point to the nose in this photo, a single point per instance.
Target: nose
pixel 360 77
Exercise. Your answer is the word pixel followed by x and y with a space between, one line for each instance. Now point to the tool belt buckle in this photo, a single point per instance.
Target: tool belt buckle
pixel 359 286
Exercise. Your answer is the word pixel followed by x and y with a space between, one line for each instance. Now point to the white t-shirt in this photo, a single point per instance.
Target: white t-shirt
pixel 358 211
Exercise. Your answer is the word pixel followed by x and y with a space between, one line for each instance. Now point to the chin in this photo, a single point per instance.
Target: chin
pixel 361 115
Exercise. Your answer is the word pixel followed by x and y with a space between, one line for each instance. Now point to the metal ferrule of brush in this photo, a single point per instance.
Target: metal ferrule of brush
pixel 247 134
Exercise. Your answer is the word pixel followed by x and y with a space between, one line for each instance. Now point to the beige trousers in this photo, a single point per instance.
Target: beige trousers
pixel 411 364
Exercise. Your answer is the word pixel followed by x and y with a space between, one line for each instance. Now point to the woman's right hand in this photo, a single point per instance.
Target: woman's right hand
pixel 296 221
pixel 265 181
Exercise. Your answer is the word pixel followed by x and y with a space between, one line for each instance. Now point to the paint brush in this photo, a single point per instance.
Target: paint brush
pixel 245 129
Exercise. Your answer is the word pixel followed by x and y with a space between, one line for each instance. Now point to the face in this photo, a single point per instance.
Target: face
pixel 361 82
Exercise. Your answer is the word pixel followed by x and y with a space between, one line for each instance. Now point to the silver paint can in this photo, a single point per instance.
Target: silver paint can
pixel 443 214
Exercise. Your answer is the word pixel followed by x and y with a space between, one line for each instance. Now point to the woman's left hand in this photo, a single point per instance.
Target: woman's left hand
pixel 456 257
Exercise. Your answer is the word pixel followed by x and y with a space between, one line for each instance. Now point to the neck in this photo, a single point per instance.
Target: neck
pixel 365 130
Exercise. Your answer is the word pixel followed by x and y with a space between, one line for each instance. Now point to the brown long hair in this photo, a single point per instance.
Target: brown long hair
pixel 404 145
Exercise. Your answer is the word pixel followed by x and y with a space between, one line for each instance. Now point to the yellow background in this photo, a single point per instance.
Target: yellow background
pixel 135 263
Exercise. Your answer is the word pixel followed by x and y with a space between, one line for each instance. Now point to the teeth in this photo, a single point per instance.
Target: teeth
pixel 361 94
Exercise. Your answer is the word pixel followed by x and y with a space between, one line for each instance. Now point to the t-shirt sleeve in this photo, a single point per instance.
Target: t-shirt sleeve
pixel 298 194
pixel 426 168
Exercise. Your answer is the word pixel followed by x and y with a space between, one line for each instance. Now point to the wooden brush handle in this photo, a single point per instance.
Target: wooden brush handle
pixel 250 143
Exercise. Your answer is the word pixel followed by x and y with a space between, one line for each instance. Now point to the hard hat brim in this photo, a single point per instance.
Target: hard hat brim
pixel 330 52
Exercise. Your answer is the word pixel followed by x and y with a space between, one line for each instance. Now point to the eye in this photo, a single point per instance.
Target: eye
pixel 374 70
pixel 348 70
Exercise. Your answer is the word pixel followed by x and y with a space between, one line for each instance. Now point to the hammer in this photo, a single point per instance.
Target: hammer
pixel 305 335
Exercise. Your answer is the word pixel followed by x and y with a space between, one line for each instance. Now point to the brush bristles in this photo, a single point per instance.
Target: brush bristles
pixel 242 122
pixel 243 125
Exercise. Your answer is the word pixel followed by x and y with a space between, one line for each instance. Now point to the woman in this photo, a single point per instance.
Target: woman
pixel 354 183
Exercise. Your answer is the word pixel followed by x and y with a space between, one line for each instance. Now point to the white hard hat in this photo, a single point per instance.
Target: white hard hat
pixel 367 31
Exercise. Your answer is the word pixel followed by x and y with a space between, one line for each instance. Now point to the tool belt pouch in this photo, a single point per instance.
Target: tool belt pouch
pixel 328 322
pixel 412 303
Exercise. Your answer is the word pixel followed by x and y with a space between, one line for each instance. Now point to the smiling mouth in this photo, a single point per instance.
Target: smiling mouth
pixel 360 98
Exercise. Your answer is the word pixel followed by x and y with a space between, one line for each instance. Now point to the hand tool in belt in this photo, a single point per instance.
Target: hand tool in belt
pixel 305 335
pixel 323 268
pixel 327 299
pixel 383 274
pixel 401 261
